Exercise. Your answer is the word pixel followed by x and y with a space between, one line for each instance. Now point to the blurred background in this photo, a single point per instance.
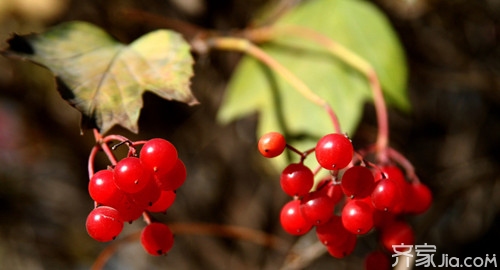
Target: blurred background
pixel 452 137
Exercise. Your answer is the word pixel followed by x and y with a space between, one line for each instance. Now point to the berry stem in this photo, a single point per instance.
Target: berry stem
pixel 348 57
pixel 246 46
pixel 302 155
pixel 92 155
pixel 405 163
pixel 295 150
pixel 147 217
pixel 101 144
pixel 104 146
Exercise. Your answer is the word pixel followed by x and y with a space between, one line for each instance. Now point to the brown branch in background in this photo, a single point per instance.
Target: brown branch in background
pixel 300 257
pixel 229 231
pixel 276 12
pixel 111 249
pixel 187 30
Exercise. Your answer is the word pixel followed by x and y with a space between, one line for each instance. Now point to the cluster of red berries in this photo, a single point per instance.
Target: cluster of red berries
pixel 135 185
pixel 356 198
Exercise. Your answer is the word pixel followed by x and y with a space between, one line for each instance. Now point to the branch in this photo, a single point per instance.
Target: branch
pixel 228 231
pixel 246 46
pixel 101 143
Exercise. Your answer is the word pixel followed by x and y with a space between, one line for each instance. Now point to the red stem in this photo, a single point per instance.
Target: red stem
pixel 293 149
pixel 92 155
pixel 405 163
pixel 333 117
pixel 102 144
pixel 382 118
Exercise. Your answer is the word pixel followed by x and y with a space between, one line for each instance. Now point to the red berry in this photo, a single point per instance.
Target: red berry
pixel 357 182
pixel 296 179
pixel 104 223
pixel 146 196
pixel 382 219
pixel 102 188
pixel 316 207
pixel 332 233
pixel 174 178
pixel 386 195
pixel 419 198
pixel 341 251
pixel 396 234
pixel 292 220
pixel 334 151
pixel 394 173
pixel 158 156
pixel 377 260
pixel 129 211
pixel 331 189
pixel 272 144
pixel 166 199
pixel 130 176
pixel 157 238
pixel 357 217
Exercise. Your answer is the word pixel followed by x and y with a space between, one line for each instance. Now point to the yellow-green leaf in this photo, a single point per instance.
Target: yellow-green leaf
pixel 105 79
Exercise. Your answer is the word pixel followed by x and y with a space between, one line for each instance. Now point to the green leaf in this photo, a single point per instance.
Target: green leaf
pixel 357 25
pixel 105 79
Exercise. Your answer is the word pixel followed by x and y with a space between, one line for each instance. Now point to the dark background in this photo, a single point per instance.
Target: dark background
pixel 451 136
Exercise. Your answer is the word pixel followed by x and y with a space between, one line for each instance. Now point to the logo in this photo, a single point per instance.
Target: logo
pixel 424 256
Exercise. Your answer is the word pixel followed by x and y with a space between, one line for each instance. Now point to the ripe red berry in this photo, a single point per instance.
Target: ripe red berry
pixel 333 232
pixel 296 179
pixel 382 219
pixel 390 171
pixel 331 189
pixel 394 173
pixel 292 220
pixel 386 195
pixel 272 144
pixel 146 196
pixel 104 223
pixel 334 151
pixel 130 176
pixel 357 182
pixel 419 198
pixel 103 190
pixel 174 178
pixel 377 260
pixel 316 207
pixel 129 211
pixel 357 217
pixel 166 199
pixel 341 251
pixel 157 238
pixel 395 234
pixel 158 156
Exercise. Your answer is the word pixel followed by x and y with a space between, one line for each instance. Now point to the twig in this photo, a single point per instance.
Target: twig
pixel 228 231
pixel 244 45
